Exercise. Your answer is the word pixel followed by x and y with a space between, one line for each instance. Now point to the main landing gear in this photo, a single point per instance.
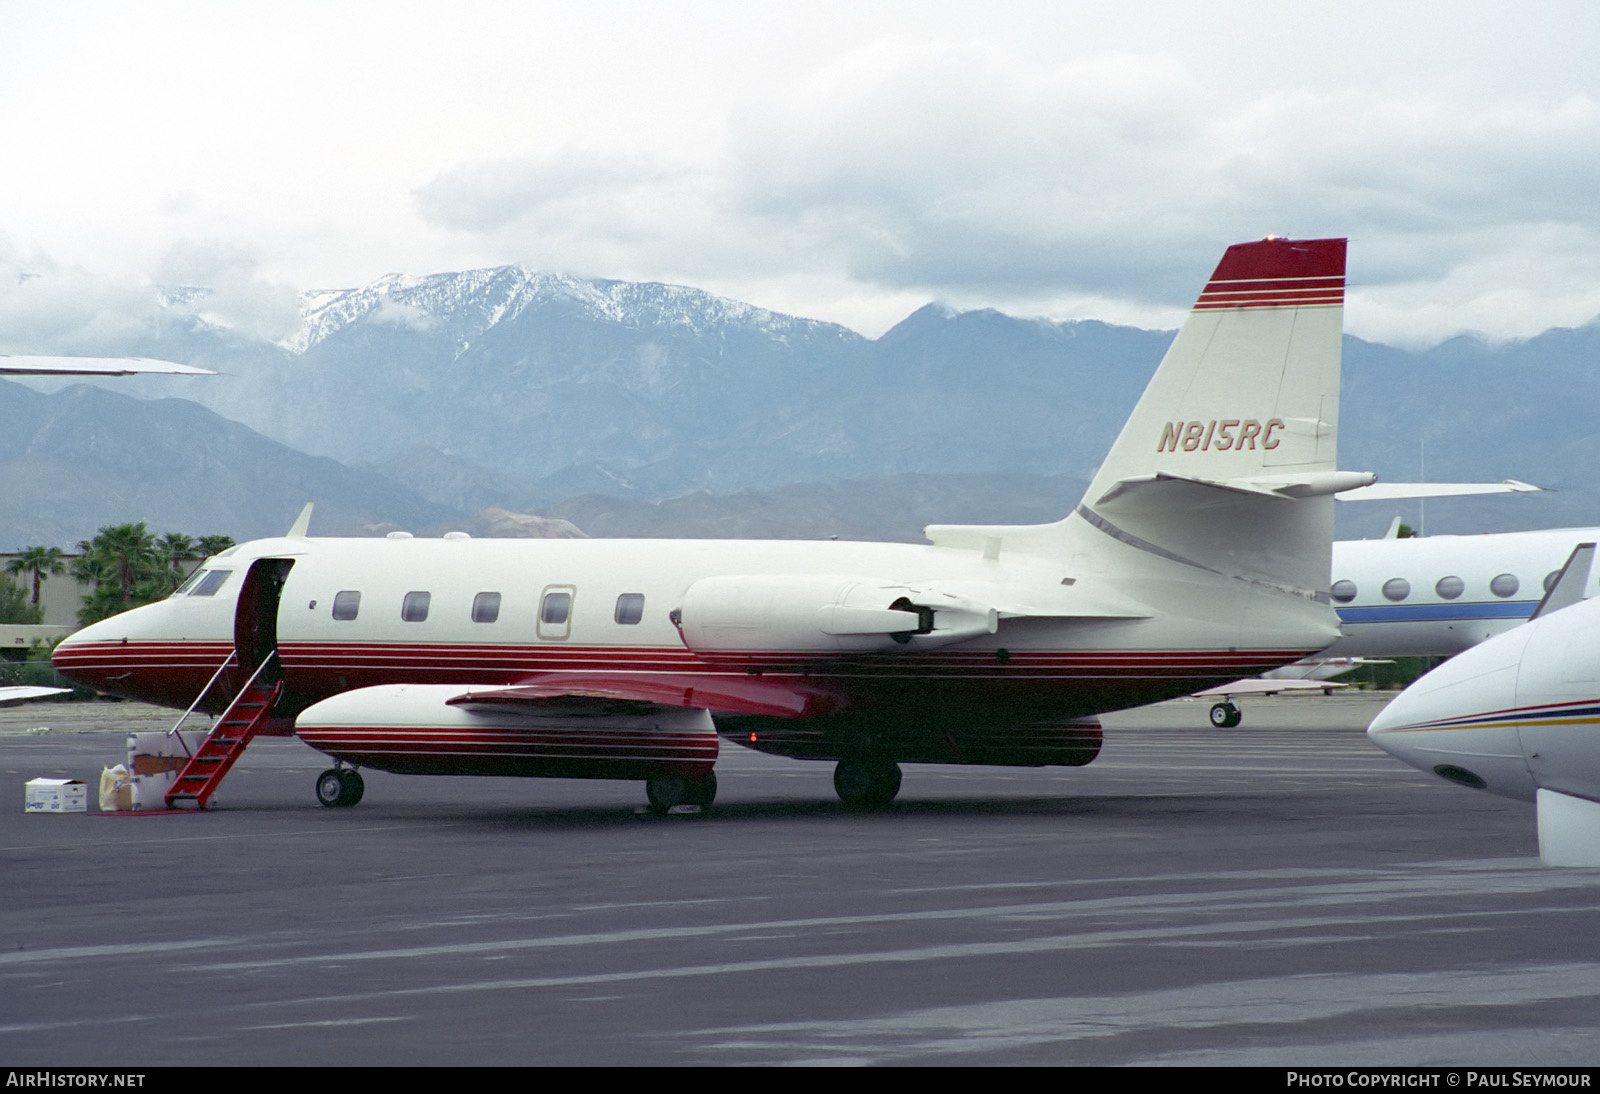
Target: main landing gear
pixel 667 794
pixel 866 783
pixel 1225 715
pixel 340 786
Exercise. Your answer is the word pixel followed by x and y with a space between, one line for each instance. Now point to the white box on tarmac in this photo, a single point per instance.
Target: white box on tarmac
pixel 55 796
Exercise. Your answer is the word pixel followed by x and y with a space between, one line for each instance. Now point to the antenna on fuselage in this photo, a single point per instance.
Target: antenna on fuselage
pixel 297 530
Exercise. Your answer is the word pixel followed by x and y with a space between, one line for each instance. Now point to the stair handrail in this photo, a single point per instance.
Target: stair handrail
pixel 220 670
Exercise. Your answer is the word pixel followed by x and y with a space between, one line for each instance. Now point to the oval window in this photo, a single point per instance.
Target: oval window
pixel 1396 588
pixel 1504 585
pixel 1450 587
pixel 1343 591
pixel 1550 579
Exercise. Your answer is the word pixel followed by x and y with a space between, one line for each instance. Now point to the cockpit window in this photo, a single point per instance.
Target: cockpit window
pixel 188 583
pixel 213 581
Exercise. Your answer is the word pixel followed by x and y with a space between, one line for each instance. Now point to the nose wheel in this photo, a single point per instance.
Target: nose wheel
pixel 866 783
pixel 1225 715
pixel 340 787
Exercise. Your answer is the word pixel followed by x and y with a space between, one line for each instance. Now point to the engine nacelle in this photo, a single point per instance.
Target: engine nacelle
pixel 764 617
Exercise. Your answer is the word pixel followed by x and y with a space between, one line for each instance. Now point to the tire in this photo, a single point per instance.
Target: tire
pixel 354 787
pixel 865 783
pixel 667 794
pixel 1226 715
pixel 339 789
pixel 330 787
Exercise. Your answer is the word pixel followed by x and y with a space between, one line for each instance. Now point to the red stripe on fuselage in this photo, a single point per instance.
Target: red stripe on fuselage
pixel 172 673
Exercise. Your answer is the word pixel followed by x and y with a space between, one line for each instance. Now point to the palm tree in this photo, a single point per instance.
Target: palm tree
pixel 41 562
pixel 118 560
pixel 214 545
pixel 175 547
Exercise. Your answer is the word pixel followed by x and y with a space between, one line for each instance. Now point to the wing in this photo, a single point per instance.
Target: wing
pixel 94 366
pixel 603 692
pixel 1267 687
pixel 20 693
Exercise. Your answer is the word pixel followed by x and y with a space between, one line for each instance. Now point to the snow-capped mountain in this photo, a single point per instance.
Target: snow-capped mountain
pixel 513 388
pixel 473 301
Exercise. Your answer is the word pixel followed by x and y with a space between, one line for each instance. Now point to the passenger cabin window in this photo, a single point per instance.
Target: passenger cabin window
pixel 486 607
pixel 630 608
pixel 211 583
pixel 1396 589
pixel 1343 591
pixel 555 607
pixel 1550 579
pixel 1450 587
pixel 555 611
pixel 1504 585
pixel 346 604
pixel 414 609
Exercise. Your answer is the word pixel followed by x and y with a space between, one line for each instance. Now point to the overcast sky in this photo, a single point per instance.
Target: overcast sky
pixel 842 160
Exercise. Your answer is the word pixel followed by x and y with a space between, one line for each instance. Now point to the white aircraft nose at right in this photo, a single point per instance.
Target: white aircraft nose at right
pixel 1457 721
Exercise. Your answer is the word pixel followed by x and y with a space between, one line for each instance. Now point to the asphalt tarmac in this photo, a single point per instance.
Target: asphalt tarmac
pixel 1282 894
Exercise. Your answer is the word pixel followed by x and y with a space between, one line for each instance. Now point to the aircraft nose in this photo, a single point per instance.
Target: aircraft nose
pixel 1457 721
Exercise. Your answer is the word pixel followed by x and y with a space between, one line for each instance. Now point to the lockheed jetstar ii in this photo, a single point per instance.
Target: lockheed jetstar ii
pixel 1200 554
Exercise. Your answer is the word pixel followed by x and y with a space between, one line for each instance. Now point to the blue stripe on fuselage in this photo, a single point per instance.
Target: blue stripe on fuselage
pixel 1435 613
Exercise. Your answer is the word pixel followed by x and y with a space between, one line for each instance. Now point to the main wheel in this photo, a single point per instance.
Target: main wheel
pixel 339 787
pixel 1225 715
pixel 354 786
pixel 666 794
pixel 866 784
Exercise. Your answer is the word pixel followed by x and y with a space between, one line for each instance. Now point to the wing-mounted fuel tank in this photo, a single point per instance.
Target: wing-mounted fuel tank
pixel 781 618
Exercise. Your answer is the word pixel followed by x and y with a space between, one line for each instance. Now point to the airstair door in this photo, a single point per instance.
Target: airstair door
pixel 255 624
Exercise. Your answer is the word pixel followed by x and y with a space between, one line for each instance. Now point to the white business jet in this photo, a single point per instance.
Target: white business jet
pixel 1519 716
pixel 1200 554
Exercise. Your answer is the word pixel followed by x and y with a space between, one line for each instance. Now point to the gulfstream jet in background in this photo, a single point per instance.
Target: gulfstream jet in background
pixel 1200 554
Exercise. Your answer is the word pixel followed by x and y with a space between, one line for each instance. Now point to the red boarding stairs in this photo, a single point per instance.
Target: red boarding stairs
pixel 227 740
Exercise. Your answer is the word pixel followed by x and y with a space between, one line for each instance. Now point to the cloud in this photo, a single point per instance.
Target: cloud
pixel 969 173
pixel 589 212
pixel 962 169
pixel 46 307
pixel 238 297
